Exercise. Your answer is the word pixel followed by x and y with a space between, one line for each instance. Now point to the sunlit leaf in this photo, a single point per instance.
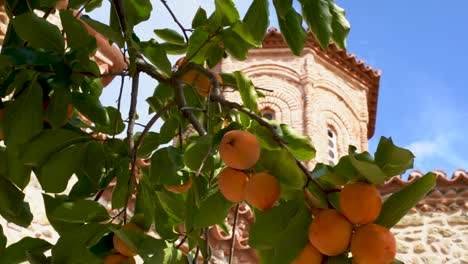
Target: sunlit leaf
pixel 170 36
pixel 292 30
pixel 319 19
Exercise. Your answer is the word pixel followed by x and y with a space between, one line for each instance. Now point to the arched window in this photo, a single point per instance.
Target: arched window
pixel 268 113
pixel 332 147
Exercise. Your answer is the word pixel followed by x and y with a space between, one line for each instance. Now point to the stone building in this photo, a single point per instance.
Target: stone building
pixel 332 97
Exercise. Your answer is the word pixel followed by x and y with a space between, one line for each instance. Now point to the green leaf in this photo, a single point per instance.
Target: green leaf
pixel 200 18
pixel 16 253
pixel 77 36
pixel 319 19
pixel 28 56
pixel 168 130
pixel 12 207
pixel 43 35
pixel 80 211
pixel 51 203
pixel 214 55
pixel 196 152
pixel 80 239
pixel 173 49
pixel 89 4
pixel 197 40
pixel 48 142
pixel 396 261
pixel 150 143
pixel 137 11
pixel 281 164
pixel 282 7
pixel 23 120
pixel 91 108
pixel 3 241
pixel 173 205
pixel 340 259
pixel 120 194
pixel 213 210
pixel 104 29
pixel 292 30
pixel 116 124
pixel 167 255
pixel 265 136
pixel 226 12
pixel 170 36
pixel 367 168
pixel 339 25
pixel 300 146
pixel 157 55
pixel 399 203
pixel 145 205
pixel 234 44
pixel 256 19
pixel 16 171
pixel 165 166
pixel 58 169
pixel 391 159
pixel 57 110
pixel 247 91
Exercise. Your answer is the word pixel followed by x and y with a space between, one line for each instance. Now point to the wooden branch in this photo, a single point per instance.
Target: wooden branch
pixel 236 214
pixel 164 2
pixel 182 104
pixel 151 123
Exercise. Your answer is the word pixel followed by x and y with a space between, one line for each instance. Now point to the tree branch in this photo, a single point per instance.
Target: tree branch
pixel 236 214
pixel 149 69
pixel 164 2
pixel 182 103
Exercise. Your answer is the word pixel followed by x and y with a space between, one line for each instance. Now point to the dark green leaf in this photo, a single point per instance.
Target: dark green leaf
pixel 51 203
pixel 214 55
pixel 57 110
pixel 91 108
pixel 3 240
pixel 319 19
pixel 200 18
pixel 137 11
pixel 256 19
pixel 43 35
pixel 282 7
pixel 80 211
pixel 234 44
pixel 12 207
pixel 399 203
pixel 104 29
pixel 49 142
pixel 340 259
pixel 334 199
pixel 17 252
pixel 170 36
pixel 58 169
pixel 168 130
pixel 90 4
pixel 28 56
pixel 247 91
pixel 226 12
pixel 77 35
pixel 36 257
pixel 173 205
pixel 173 49
pixel 367 168
pixel 339 25
pixel 23 120
pixel 116 124
pixel 197 40
pixel 150 143
pixel 300 146
pixel 120 194
pixel 213 210
pixel 396 261
pixel 157 55
pixel 17 172
pixel 391 159
pixel 145 205
pixel 198 152
pixel 292 30
pixel 165 166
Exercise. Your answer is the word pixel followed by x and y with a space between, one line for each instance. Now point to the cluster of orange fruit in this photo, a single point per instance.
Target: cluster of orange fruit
pixel 240 151
pixel 124 254
pixel 198 80
pixel 332 232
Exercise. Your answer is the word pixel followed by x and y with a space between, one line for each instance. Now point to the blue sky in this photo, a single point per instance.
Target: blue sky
pixel 420 48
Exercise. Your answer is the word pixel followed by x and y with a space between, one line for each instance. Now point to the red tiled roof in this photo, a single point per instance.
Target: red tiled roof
pixel 342 60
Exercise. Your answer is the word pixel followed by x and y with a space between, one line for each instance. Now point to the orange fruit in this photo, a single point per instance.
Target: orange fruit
pixel 179 188
pixel 232 184
pixel 120 245
pixel 373 244
pixel 119 259
pixel 262 191
pixel 360 202
pixel 200 81
pixel 330 232
pixel 309 255
pixel 239 149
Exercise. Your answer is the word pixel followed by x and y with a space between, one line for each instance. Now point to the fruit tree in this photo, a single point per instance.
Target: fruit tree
pixel 53 126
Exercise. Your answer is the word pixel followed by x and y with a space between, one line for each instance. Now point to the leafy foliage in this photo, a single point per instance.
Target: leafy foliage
pixel 53 125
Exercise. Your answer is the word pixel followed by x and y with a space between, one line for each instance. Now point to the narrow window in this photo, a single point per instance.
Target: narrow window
pixel 332 147
pixel 268 113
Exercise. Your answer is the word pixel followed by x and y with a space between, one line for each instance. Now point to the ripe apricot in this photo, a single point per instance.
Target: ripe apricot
pixel 330 232
pixel 120 245
pixel 119 259
pixel 239 149
pixel 309 255
pixel 200 81
pixel 374 244
pixel 360 202
pixel 232 184
pixel 262 191
pixel 179 188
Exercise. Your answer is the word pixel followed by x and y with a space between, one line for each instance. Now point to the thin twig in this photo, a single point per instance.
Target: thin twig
pixel 208 257
pixel 149 69
pixel 197 252
pixel 181 242
pixel 151 123
pixel 204 161
pixel 234 233
pixel 119 101
pixel 182 103
pixel 82 8
pixel 164 2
